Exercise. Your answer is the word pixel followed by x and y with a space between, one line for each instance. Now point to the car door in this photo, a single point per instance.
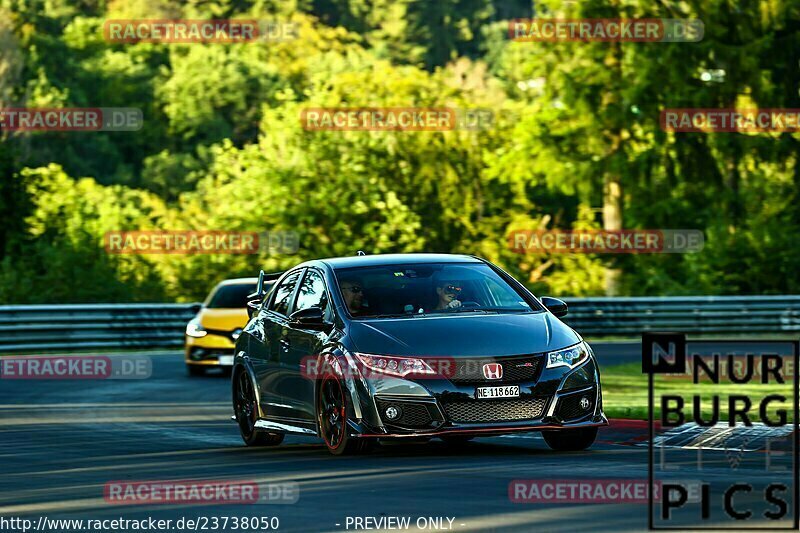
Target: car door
pixel 297 383
pixel 265 345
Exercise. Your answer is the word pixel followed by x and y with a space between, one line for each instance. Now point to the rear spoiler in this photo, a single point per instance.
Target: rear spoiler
pixel 262 277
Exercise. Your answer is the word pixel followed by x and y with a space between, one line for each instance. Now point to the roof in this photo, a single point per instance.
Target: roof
pixel 238 281
pixel 396 259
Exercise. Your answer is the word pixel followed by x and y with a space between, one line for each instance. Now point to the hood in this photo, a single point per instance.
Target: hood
pixel 466 335
pixel 223 319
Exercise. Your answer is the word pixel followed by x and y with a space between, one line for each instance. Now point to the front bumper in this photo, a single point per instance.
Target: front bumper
pixel 484 431
pixel 557 398
pixel 211 350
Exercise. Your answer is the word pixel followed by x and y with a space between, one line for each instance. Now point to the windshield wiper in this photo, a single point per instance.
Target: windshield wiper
pixel 473 310
pixel 487 310
pixel 393 315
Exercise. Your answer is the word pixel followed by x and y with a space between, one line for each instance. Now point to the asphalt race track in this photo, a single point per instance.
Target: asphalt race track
pixel 63 440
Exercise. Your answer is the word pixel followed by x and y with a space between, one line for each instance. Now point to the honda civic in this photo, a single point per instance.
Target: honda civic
pixel 362 349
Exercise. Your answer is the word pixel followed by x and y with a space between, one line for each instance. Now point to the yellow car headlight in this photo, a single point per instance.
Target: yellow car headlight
pixel 195 329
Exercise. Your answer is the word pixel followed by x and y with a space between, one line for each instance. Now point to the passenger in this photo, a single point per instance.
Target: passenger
pixel 353 292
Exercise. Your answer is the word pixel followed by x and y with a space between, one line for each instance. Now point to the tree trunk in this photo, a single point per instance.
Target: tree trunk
pixel 612 221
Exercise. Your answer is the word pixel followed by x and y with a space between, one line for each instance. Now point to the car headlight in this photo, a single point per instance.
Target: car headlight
pixel 195 329
pixel 569 357
pixel 393 365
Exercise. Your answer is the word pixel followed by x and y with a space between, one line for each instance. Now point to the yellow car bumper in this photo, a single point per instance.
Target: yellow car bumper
pixel 211 350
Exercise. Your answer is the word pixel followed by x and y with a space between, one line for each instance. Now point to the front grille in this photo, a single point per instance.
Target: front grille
pixel 228 334
pixel 413 414
pixel 495 410
pixel 197 354
pixel 569 407
pixel 515 369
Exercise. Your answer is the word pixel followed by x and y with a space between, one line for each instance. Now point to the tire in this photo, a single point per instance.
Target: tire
pixel 331 411
pixel 195 371
pixel 245 407
pixel 456 440
pixel 570 440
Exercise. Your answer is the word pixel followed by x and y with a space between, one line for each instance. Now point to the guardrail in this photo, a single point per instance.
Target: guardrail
pixel 27 328
pixel 86 326
pixel 711 315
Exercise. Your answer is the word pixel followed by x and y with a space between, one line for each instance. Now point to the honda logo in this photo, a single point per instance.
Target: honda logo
pixel 493 371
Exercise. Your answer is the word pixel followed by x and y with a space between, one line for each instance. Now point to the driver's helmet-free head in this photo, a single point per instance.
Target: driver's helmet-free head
pixel 451 280
pixel 447 287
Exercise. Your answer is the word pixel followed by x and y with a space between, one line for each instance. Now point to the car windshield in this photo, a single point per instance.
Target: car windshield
pixel 231 296
pixel 428 288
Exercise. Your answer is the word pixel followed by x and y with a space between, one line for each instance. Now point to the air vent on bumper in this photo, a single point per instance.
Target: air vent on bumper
pixel 576 405
pixel 407 414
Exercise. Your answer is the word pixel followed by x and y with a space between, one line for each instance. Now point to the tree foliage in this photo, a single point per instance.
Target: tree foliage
pixel 223 148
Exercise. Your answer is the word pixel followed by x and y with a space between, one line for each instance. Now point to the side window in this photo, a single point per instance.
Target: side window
pixel 283 294
pixel 268 286
pixel 312 292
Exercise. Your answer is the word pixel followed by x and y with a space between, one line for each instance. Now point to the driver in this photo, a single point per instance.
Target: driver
pixel 447 293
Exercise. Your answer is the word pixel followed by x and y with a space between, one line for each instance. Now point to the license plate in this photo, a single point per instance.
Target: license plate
pixel 225 360
pixel 509 391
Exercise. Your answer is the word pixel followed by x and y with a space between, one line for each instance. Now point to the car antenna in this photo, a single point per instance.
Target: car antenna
pixel 361 252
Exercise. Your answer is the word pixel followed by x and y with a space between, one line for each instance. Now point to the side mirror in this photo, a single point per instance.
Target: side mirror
pixel 310 318
pixel 555 306
pixel 252 307
pixel 195 308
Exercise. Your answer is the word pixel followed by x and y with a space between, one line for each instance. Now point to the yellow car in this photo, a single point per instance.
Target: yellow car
pixel 210 335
